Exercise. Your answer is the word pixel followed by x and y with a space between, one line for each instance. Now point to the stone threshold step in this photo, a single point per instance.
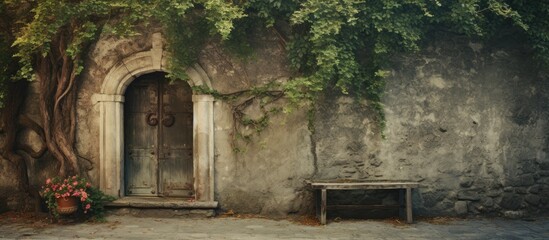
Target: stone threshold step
pixel 159 202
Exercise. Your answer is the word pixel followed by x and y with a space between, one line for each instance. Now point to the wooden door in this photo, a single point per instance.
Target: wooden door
pixel 158 137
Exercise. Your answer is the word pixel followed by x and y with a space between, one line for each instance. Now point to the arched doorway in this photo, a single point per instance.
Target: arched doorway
pixel 158 133
pixel 110 103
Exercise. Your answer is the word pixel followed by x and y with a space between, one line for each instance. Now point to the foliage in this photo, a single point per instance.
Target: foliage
pixel 8 65
pixel 335 43
pixel 190 31
pixel 87 18
pixel 188 23
pixel 91 199
pixel 348 44
pixel 5 70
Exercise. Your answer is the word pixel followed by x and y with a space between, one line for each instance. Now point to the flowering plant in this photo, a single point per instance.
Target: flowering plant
pixel 92 199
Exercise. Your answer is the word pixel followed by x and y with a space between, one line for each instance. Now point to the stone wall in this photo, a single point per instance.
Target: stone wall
pixel 264 176
pixel 467 120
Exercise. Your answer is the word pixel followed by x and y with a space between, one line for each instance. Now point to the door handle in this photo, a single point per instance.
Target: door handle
pixel 152 119
pixel 168 120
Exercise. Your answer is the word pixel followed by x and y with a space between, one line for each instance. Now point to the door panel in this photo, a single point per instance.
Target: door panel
pixel 158 137
pixel 176 166
pixel 141 138
pixel 141 166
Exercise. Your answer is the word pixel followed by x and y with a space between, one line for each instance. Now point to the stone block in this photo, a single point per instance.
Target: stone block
pixel 445 205
pixel 544 165
pixel 534 189
pixel 544 195
pixel 487 202
pixel 528 166
pixel 493 193
pixel 430 199
pixel 461 207
pixel 532 199
pixel 471 195
pixel 523 180
pixel 466 182
pixel 511 201
pixel 521 190
pixel 544 181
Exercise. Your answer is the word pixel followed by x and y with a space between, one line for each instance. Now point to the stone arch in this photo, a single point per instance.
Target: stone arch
pixel 111 103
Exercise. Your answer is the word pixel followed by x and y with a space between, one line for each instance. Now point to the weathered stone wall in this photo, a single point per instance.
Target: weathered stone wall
pixel 468 121
pixel 465 119
pixel 265 176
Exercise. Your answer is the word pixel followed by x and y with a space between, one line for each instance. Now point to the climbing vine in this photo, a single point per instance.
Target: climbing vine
pixel 246 127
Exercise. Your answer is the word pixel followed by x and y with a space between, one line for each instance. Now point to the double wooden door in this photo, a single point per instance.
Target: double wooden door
pixel 158 135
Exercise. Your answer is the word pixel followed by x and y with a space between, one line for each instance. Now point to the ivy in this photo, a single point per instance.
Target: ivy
pixel 190 31
pixel 347 44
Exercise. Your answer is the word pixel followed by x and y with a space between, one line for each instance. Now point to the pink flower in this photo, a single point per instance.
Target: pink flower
pixel 74 183
pixel 88 185
pixel 48 181
pixel 87 207
pixel 84 196
pixel 73 177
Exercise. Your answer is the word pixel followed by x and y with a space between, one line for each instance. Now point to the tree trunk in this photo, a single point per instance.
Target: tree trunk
pixel 57 74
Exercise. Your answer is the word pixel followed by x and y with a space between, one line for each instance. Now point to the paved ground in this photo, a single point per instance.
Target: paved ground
pixel 128 227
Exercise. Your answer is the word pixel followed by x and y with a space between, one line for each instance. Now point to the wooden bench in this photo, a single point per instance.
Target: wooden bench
pixel 347 184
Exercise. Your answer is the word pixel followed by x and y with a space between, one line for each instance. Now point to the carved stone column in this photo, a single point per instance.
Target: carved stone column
pixel 203 147
pixel 111 142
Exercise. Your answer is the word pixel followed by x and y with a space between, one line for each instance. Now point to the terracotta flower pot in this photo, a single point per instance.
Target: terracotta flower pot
pixel 66 206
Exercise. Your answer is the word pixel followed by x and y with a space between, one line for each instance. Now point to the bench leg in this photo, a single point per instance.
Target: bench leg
pixel 409 205
pixel 323 207
pixel 317 203
pixel 401 203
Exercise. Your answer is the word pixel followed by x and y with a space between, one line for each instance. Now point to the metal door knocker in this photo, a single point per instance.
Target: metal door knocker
pixel 168 120
pixel 152 119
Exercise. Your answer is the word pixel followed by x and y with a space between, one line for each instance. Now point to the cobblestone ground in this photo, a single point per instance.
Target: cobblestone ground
pixel 129 227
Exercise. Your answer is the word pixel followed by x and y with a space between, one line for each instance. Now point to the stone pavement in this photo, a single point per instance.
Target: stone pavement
pixel 129 227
